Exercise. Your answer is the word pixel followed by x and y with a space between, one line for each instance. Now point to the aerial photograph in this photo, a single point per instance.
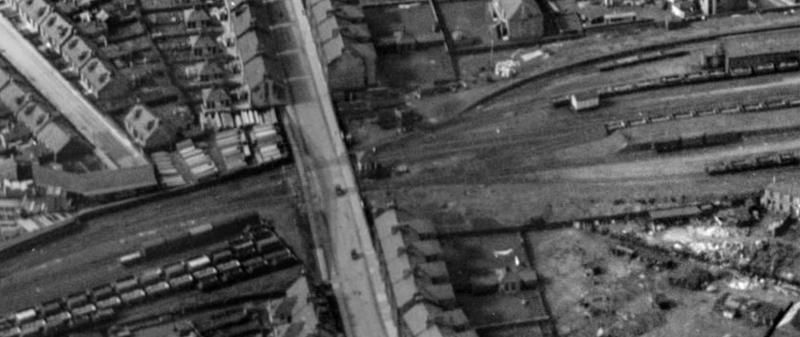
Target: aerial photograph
pixel 399 168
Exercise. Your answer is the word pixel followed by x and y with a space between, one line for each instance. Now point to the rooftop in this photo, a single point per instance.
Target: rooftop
pixel 96 182
pixel 762 43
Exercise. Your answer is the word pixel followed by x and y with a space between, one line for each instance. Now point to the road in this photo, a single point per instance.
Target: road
pixel 357 283
pixel 112 144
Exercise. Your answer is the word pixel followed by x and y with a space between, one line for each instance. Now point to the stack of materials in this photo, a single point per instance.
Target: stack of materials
pixel 199 163
pixel 266 142
pixel 169 174
pixel 231 151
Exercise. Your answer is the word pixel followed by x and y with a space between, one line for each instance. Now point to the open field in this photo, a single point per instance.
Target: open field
pixel 28 278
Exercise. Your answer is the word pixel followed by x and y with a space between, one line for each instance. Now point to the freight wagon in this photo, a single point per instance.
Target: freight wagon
pixel 681 143
pixel 753 163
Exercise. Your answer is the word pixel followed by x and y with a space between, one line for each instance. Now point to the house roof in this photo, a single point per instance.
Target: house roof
pixel 57 29
pixel 328 29
pixel 320 10
pixel 399 268
pixel 349 12
pixel 393 245
pixel 257 72
pixel 333 48
pixel 15 94
pixel 762 43
pixel 359 32
pixel 5 76
pixel 386 222
pixel 204 68
pixel 254 43
pixel 202 41
pixel 36 10
pixel 404 291
pixel 96 182
pixel 434 269
pixel 248 16
pixel 215 95
pixel 420 317
pixel 34 116
pixel 426 247
pixel 98 73
pixel 195 15
pixel 78 49
pixel 437 292
pixel 519 9
pixel 57 135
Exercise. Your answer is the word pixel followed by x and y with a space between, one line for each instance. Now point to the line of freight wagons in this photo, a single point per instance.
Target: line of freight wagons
pixel 681 79
pixel 256 253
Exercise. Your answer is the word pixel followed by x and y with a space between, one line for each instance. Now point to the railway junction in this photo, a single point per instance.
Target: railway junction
pixel 384 168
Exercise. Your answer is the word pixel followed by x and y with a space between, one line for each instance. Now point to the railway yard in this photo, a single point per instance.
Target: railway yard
pixel 385 168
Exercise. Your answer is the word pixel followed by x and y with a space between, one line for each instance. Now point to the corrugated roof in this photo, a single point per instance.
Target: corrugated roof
pixel 762 43
pixel 96 182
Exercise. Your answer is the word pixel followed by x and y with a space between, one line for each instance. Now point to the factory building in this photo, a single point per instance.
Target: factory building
pixel 753 50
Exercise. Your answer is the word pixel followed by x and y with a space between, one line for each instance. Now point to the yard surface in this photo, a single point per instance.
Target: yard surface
pixel 27 279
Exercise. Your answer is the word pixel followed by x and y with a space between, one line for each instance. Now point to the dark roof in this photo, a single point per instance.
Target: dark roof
pixel 762 43
pixel 96 182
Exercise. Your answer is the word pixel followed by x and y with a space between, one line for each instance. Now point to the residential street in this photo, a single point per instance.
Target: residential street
pixel 112 144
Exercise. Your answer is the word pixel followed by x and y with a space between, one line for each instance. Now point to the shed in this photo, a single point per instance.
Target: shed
pixel 584 101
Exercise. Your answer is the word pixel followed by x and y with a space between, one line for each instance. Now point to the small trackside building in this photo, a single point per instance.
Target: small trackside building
pixel 584 101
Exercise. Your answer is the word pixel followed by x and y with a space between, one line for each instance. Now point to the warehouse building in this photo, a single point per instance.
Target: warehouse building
pixel 753 50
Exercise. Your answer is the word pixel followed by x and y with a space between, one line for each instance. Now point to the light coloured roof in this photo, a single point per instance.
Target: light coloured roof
pixel 78 50
pixel 385 222
pixel 194 15
pixel 34 116
pixel 57 29
pixel 98 73
pixel 420 317
pixel 399 268
pixel 56 136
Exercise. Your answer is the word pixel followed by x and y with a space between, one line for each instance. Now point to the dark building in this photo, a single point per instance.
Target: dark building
pixel 753 50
